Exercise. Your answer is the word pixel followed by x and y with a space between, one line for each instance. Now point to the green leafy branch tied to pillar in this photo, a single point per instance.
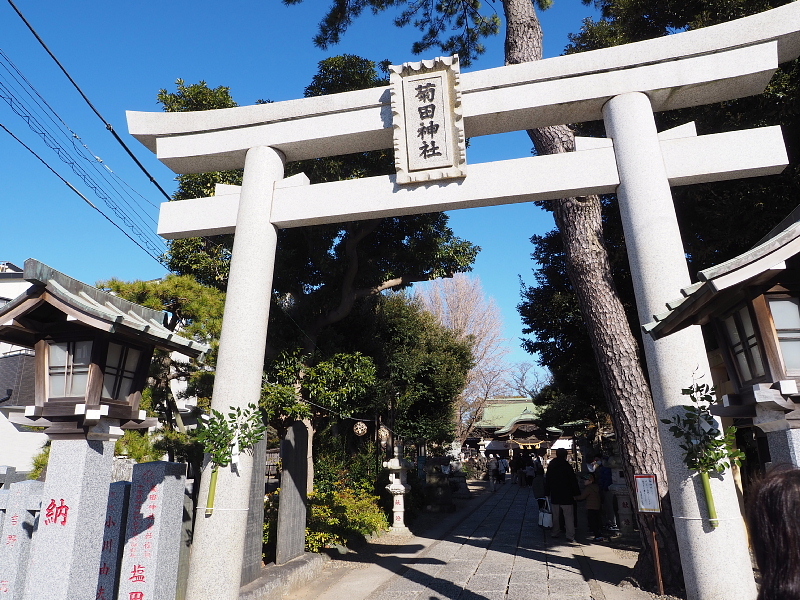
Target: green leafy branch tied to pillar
pixel 224 438
pixel 706 448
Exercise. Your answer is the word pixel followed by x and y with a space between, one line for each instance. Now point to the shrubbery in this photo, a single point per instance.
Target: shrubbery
pixel 334 518
pixel 344 505
pixel 342 516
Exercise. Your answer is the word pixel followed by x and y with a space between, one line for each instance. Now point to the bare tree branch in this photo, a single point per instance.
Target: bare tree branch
pixel 461 304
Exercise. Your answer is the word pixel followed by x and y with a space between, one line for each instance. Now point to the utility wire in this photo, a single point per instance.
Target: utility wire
pixel 65 156
pixel 108 125
pixel 86 99
pixel 19 77
pixel 74 189
pixel 94 109
pixel 72 139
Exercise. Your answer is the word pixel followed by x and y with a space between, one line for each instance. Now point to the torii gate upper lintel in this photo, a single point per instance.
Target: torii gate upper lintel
pixel 623 86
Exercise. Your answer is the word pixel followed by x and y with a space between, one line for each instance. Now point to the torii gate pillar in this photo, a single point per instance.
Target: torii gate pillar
pixel 658 268
pixel 219 538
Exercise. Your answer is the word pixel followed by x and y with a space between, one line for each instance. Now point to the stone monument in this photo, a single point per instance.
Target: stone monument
pixel 113 540
pixel 292 503
pixel 21 506
pixel 153 532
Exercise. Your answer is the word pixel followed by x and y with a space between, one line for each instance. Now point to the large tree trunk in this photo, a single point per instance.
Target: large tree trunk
pixel 615 348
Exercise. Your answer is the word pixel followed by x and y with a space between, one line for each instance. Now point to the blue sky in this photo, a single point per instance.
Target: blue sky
pixel 122 53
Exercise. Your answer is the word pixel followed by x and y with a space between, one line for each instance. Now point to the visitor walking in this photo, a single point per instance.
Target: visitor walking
pixel 502 469
pixel 561 485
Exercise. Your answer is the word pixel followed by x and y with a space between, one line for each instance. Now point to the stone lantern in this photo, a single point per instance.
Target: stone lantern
pixel 92 355
pixel 398 469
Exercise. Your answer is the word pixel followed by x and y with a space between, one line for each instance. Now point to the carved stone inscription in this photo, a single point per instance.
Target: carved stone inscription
pixel 428 143
pixel 428 128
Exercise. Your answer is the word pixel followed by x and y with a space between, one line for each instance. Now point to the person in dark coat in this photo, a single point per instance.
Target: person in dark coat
pixel 561 485
pixel 774 525
pixel 518 469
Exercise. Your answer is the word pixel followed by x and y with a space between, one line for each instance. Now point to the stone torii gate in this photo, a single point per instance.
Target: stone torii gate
pixel 624 86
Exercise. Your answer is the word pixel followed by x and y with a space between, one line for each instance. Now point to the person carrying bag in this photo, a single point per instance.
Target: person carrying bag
pixel 545 513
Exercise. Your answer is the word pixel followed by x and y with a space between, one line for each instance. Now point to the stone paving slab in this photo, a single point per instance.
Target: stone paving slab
pixel 527 577
pixel 527 592
pixel 488 582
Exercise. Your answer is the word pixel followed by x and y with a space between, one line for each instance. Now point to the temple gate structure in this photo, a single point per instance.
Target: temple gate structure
pixel 622 85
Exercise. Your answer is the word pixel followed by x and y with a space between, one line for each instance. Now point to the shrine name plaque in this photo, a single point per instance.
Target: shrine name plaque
pixel 427 122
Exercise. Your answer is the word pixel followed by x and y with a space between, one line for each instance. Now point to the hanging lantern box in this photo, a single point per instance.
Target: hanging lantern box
pixel 93 352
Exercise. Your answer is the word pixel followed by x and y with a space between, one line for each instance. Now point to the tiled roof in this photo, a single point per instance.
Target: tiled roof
pixel 96 308
pixel 699 302
pixel 503 415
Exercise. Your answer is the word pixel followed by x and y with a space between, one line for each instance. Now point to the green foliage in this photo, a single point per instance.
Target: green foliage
pixel 559 407
pixel 336 468
pixel 342 382
pixel 706 448
pixel 334 518
pixel 195 308
pixel 219 435
pixel 339 517
pixel 422 367
pixel 455 27
pixel 197 96
pixel 138 445
pixel 293 390
pixel 344 73
pixel 206 259
pixel 626 21
pixel 181 447
pixel 40 461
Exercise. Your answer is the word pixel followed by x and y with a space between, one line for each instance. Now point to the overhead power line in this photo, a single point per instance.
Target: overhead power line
pixel 108 125
pixel 42 119
pixel 112 197
pixel 25 85
pixel 74 189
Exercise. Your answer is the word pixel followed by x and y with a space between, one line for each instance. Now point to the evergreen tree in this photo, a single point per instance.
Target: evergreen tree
pixel 710 215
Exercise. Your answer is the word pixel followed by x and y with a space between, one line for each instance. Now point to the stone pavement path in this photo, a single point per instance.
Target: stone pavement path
pixel 498 552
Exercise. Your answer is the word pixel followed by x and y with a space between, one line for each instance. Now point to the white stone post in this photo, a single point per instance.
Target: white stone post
pixel 216 559
pixel 68 540
pixel 398 488
pixel 716 562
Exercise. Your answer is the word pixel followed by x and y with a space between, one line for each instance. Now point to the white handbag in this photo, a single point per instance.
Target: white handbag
pixel 545 513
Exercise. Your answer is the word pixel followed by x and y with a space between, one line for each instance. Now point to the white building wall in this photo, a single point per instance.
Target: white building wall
pixel 17 447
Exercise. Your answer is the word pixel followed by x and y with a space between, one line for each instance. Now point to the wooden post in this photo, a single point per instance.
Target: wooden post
pixel 657 558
